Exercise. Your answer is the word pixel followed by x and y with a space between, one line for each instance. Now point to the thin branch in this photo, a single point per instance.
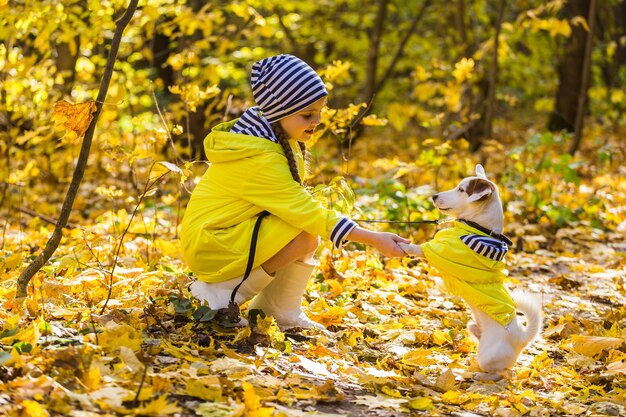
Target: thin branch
pixel 287 31
pixel 55 239
pixel 400 51
pixel 45 218
pixel 378 86
pixel 165 124
pixel 147 188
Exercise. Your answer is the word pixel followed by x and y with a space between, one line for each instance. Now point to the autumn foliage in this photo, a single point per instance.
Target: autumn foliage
pixel 108 327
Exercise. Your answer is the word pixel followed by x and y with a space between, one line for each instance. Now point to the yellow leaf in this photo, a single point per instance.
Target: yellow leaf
pixel 463 70
pixel 242 334
pixel 592 345
pixel 373 120
pixel 392 392
pixel 418 357
pixel 332 315
pixel 10 262
pixel 446 380
pixel 440 338
pixel 91 378
pixel 253 403
pixel 580 21
pixel 420 403
pixel 206 388
pixel 33 409
pixel 74 118
pixel 163 167
pixel 453 397
pixel 267 326
pixel 117 335
pixel 130 359
pixel 157 407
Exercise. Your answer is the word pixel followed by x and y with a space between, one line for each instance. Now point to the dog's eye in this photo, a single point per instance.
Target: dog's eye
pixel 461 190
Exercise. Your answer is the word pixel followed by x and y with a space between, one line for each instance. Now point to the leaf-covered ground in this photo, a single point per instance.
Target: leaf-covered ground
pixel 396 344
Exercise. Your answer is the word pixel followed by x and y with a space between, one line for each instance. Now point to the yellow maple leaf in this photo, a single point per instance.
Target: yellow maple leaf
pixel 33 409
pixel 117 335
pixel 73 118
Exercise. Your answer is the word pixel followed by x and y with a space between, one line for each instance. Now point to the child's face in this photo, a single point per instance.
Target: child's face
pixel 300 126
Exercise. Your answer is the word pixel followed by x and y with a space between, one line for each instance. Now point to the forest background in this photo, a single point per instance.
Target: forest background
pixel 420 91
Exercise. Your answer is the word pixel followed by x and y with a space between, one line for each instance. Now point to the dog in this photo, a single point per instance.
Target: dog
pixel 469 256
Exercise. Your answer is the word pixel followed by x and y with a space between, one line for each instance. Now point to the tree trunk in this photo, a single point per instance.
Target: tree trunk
pixel 586 69
pixel 372 57
pixel 55 239
pixel 493 74
pixel 570 71
pixel 373 85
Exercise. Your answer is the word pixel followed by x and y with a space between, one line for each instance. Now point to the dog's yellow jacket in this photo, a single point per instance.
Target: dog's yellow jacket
pixel 470 263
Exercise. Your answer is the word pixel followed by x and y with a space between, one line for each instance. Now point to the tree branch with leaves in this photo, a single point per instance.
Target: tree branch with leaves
pixel 79 171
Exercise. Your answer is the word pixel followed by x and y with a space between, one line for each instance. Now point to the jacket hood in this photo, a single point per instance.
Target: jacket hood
pixel 223 146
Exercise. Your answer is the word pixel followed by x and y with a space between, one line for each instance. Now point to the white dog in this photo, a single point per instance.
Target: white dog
pixel 469 257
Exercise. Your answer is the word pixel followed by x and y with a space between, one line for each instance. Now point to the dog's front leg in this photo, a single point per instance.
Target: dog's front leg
pixel 412 250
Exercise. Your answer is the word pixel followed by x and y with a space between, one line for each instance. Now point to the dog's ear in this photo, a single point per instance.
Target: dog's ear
pixel 480 171
pixel 479 190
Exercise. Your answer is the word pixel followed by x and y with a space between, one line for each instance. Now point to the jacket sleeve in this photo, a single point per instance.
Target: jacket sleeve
pixel 271 187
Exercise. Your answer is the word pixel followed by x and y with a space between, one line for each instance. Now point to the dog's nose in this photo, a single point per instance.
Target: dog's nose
pixel 435 197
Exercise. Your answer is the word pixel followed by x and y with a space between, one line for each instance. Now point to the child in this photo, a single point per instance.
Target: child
pixel 257 166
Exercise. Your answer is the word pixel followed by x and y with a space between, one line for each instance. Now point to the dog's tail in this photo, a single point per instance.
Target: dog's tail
pixel 530 305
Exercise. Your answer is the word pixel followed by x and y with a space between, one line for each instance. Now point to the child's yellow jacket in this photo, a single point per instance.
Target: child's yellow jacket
pixel 247 175
pixel 470 263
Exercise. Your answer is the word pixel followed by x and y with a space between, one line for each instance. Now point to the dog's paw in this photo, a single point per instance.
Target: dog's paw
pixel 410 249
pixel 493 376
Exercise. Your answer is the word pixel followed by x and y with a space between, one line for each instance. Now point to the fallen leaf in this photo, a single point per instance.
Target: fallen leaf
pixel 420 403
pixel 157 407
pixel 592 345
pixel 33 409
pixel 616 368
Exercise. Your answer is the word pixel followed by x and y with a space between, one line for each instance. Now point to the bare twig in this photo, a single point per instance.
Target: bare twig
pixel 400 51
pixel 372 85
pixel 167 128
pixel 147 187
pixel 45 218
pixel 55 239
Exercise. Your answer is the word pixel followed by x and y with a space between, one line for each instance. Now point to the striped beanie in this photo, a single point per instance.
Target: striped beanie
pixel 281 86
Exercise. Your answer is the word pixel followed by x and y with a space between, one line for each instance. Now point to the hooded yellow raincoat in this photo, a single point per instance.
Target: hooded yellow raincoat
pixel 247 175
pixel 476 278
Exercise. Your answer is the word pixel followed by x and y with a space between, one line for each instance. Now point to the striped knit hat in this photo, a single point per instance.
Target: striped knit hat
pixel 281 86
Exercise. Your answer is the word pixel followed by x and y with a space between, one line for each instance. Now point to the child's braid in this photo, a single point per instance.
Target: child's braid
pixel 284 142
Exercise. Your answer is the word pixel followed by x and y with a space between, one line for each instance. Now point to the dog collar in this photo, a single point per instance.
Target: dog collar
pixel 488 232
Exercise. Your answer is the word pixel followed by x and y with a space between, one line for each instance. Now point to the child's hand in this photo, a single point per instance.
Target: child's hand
pixel 387 244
